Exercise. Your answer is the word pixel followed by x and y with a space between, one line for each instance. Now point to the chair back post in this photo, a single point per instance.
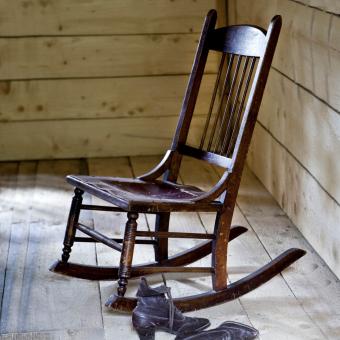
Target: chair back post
pixel 240 40
pixel 191 94
pixel 251 111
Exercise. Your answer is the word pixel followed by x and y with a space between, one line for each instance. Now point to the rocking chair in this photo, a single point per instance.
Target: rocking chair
pixel 246 55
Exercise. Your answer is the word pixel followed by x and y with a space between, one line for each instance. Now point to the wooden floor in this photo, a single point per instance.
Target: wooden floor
pixel 302 303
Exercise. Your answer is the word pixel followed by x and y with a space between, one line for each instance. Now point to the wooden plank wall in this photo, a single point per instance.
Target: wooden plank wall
pixel 296 147
pixel 94 78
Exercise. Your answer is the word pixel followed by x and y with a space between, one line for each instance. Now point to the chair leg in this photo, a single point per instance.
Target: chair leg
pixel 161 247
pixel 127 252
pixel 219 250
pixel 71 224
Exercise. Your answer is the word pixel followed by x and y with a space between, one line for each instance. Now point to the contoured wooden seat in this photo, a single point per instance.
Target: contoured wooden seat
pixel 246 54
pixel 144 196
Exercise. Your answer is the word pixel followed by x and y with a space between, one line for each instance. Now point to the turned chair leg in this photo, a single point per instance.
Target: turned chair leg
pixel 219 251
pixel 127 252
pixel 161 246
pixel 71 224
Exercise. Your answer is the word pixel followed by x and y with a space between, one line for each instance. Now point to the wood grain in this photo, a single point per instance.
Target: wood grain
pixel 296 144
pixel 65 334
pixel 324 5
pixel 152 96
pixel 322 283
pixel 103 56
pixel 82 60
pixel 246 255
pixel 8 181
pixel 307 127
pixel 315 214
pixel 33 299
pixel 191 222
pixel 71 138
pixel 34 17
pixel 313 42
pixel 310 280
pixel 114 224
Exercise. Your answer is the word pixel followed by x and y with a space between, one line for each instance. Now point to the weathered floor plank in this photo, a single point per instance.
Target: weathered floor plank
pixel 315 287
pixel 34 298
pixel 8 183
pixel 303 303
pixel 116 325
pixel 272 308
pixel 65 334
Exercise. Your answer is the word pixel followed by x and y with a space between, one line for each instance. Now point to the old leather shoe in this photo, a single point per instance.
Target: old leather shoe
pixel 229 330
pixel 155 312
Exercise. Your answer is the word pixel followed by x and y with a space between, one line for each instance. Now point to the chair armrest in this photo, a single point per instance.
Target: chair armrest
pixel 159 169
pixel 219 188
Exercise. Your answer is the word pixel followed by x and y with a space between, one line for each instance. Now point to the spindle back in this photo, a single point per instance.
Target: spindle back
pixel 246 54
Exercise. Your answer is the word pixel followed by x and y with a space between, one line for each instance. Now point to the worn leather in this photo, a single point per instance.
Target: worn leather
pixel 228 330
pixel 153 313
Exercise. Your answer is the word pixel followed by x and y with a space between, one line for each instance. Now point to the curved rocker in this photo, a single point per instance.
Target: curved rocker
pixel 111 273
pixel 233 291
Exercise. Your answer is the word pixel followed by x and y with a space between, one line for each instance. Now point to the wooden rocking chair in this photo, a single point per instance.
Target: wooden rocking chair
pixel 246 56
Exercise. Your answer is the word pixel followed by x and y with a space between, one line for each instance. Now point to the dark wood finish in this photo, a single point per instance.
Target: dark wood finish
pixel 239 39
pixel 144 196
pixel 246 56
pixel 127 252
pixel 232 292
pixel 71 224
pixel 166 234
pixel 118 240
pixel 99 237
pixel 141 271
pixel 111 273
pixel 160 168
pixel 161 248
pixel 219 250
pixel 101 208
pixel 210 157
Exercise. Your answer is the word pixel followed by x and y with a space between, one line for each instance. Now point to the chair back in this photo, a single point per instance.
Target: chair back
pixel 245 56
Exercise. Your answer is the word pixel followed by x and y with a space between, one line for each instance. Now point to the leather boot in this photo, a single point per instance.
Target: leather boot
pixel 228 330
pixel 155 312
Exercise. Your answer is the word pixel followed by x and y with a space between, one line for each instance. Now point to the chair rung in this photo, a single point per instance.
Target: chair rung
pixel 100 208
pixel 151 270
pixel 99 237
pixel 165 234
pixel 107 208
pixel 211 157
pixel 118 240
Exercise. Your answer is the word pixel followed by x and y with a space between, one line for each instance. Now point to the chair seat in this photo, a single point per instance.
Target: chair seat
pixel 148 196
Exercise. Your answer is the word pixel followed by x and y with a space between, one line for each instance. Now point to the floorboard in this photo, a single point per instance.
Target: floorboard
pixel 302 303
pixel 315 287
pixel 8 184
pixel 35 299
pixel 266 305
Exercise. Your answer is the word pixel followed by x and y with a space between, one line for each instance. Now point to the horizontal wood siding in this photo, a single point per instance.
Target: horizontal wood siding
pixel 73 73
pixel 88 57
pixel 306 126
pixel 114 98
pixel 330 6
pixel 300 195
pixel 90 138
pixel 88 17
pixel 297 138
